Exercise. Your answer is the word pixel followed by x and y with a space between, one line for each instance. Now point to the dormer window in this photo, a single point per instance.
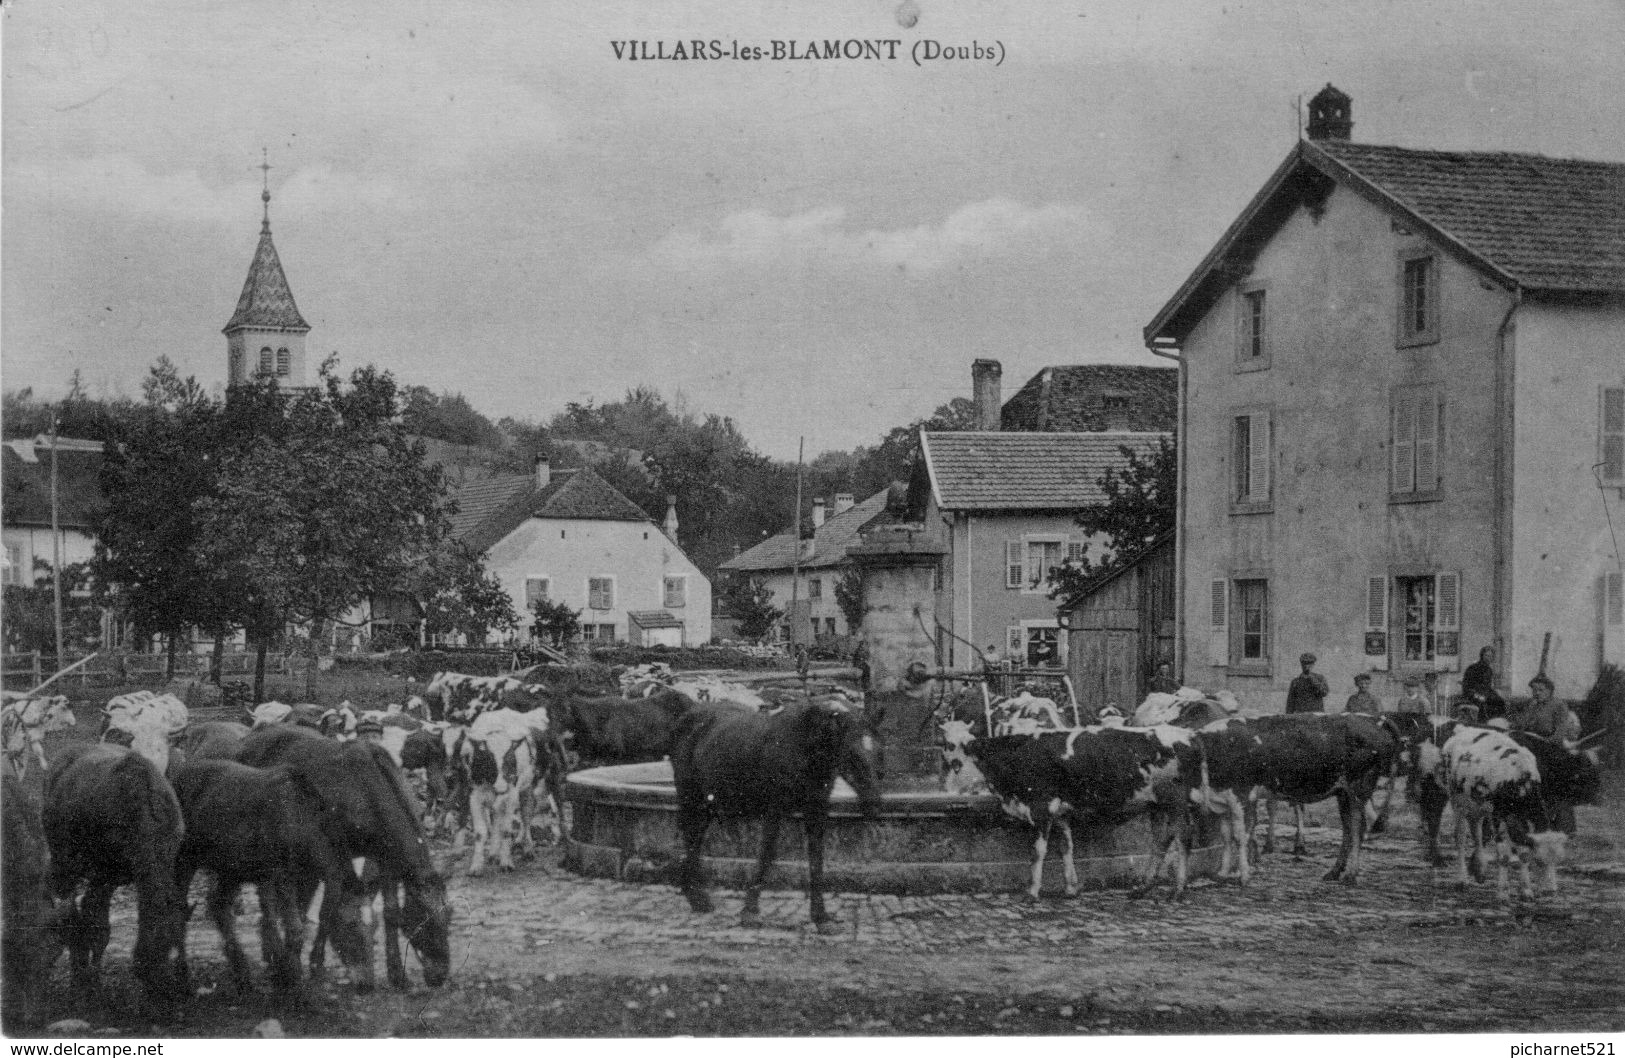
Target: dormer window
pixel 282 362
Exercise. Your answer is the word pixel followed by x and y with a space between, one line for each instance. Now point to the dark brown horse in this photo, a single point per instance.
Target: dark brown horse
pixel 731 764
pixel 266 826
pixel 363 791
pixel 613 730
pixel 111 820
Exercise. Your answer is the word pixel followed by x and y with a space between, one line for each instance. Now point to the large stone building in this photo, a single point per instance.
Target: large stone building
pixel 1403 415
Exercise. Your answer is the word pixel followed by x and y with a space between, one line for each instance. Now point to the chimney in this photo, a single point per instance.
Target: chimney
pixel 1331 115
pixel 984 381
pixel 544 472
pixel 818 513
pixel 670 524
pixel 844 502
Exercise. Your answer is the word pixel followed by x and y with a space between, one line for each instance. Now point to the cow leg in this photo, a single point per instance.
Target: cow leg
pixel 479 809
pixel 768 851
pixel 693 823
pixel 344 897
pixel 93 918
pixel 1431 801
pixel 822 919
pixel 1070 865
pixel 1299 849
pixel 1462 824
pixel 1351 809
pixel 1269 825
pixel 1178 851
pixel 318 946
pixel 503 813
pixel 394 966
pixel 1040 851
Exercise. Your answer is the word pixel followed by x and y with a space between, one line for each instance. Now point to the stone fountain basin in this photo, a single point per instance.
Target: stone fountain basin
pixel 624 826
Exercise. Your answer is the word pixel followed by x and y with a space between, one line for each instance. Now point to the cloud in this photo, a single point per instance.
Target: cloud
pixel 120 184
pixel 977 231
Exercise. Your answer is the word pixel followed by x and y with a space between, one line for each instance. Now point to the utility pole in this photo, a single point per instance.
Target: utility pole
pixel 56 549
pixel 795 561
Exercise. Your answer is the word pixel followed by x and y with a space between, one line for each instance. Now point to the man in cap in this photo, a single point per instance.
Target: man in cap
pixel 1307 693
pixel 1362 701
pixel 1413 701
pixel 1478 686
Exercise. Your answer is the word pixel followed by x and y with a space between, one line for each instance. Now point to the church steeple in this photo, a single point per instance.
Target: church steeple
pixel 266 334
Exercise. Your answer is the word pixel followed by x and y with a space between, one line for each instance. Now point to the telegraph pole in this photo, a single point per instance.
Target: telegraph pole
pixel 795 534
pixel 56 549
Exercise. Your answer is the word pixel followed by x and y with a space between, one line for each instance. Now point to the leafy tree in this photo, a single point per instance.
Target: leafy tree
pixel 458 595
pixel 447 417
pixel 1139 506
pixel 320 500
pixel 849 597
pixel 555 622
pixel 159 463
pixel 892 459
pixel 750 601
pixel 30 612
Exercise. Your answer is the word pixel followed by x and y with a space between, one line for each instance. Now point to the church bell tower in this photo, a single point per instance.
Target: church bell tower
pixel 265 337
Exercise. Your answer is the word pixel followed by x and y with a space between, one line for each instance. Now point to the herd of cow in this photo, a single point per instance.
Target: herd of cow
pixel 304 799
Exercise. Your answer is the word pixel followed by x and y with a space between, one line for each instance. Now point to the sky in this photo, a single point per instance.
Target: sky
pixel 482 198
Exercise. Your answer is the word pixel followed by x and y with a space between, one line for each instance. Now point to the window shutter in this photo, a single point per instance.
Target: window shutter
pixel 1014 646
pixel 1013 564
pixel 1613 435
pixel 1258 458
pixel 1447 630
pixel 1376 623
pixel 535 590
pixel 676 590
pixel 1427 441
pixel 1074 551
pixel 1218 639
pixel 1404 454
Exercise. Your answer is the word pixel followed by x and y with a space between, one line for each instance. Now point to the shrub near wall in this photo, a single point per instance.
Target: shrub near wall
pixel 684 658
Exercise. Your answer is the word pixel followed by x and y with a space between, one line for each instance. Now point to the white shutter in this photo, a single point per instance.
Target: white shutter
pixel 1013 564
pixel 1404 448
pixel 1427 441
pixel 1074 551
pixel 1447 626
pixel 1376 623
pixel 1612 429
pixel 1258 458
pixel 1218 637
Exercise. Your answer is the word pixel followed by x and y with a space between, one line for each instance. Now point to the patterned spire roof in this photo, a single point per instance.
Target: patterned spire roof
pixel 266 300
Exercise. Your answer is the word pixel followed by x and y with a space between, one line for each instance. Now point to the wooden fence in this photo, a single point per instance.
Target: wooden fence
pixel 24 671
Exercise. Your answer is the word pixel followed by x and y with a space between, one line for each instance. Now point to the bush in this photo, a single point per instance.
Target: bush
pixel 683 658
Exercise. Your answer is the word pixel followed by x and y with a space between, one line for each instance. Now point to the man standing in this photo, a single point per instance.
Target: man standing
pixel 1307 693
pixel 1414 701
pixel 1163 682
pixel 1478 687
pixel 1361 701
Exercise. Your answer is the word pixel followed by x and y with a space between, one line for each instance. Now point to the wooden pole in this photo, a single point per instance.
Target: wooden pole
pixel 56 549
pixel 60 673
pixel 795 561
pixel 1545 654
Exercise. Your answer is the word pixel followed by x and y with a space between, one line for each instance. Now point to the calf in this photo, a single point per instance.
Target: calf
pixel 266 827
pixel 959 774
pixel 1102 775
pixel 1490 778
pixel 501 765
pixel 25 722
pixel 149 722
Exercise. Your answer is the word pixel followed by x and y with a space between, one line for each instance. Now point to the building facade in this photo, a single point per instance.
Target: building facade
pixel 28 515
pixel 1402 414
pixel 265 337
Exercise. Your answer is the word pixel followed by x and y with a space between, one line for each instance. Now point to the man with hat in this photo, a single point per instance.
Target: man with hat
pixel 1307 693
pixel 1362 701
pixel 1413 701
pixel 1544 715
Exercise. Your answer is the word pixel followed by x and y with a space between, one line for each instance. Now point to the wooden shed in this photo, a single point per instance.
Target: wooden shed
pixel 1122 629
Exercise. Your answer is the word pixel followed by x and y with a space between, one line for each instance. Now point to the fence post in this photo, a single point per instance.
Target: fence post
pixel 36 666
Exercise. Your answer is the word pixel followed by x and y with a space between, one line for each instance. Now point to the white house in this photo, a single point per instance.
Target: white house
pixel 27 507
pixel 569 536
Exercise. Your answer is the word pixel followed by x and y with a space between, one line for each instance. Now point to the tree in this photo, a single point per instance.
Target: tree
pixel 458 595
pixel 320 500
pixel 30 612
pixel 750 602
pixel 1139 506
pixel 849 597
pixel 447 417
pixel 555 622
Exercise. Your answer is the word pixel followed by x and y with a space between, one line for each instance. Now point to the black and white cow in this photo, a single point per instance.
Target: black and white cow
pixel 1100 776
pixel 1490 778
pixel 459 697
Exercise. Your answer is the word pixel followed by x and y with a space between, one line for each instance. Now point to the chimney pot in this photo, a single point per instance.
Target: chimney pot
pixel 818 513
pixel 669 527
pixel 544 472
pixel 844 501
pixel 984 379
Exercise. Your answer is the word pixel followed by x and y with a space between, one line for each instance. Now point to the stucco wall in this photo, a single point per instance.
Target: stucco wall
pixel 569 552
pixel 34 543
pixel 1561 531
pixel 822 608
pixel 1332 299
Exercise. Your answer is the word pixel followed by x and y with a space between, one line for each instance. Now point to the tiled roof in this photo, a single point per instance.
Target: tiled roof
pixel 1024 471
pixel 1075 397
pixel 266 300
pixel 830 540
pixel 490 510
pixel 654 619
pixel 1549 223
pixel 26 470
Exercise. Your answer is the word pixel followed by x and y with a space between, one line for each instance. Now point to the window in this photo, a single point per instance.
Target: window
pixel 1427 626
pixel 1041 646
pixel 1027 563
pixel 1252 330
pixel 601 593
pixel 829 626
pixel 676 593
pixel 815 589
pixel 282 362
pixel 598 633
pixel 1250 458
pixel 1418 299
pixel 14 562
pixel 1611 442
pixel 1252 612
pixel 236 365
pixel 1416 430
pixel 535 591
pixel 265 360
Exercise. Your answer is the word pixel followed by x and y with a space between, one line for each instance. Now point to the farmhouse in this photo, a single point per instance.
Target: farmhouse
pixel 1402 401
